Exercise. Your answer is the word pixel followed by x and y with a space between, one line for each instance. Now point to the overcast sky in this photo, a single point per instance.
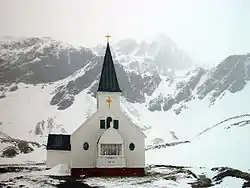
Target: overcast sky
pixel 208 30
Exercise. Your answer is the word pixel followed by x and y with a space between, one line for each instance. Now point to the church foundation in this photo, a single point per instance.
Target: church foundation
pixel 98 172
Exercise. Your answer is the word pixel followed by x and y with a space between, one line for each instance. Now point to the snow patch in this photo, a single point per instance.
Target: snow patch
pixel 58 170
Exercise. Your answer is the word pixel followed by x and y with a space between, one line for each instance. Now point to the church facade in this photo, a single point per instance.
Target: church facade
pixel 106 144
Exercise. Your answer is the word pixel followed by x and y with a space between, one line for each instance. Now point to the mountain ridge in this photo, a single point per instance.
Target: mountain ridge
pixel 38 97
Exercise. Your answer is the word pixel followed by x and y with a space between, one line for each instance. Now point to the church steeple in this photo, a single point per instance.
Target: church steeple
pixel 108 80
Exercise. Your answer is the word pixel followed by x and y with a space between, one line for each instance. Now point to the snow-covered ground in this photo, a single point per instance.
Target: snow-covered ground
pixel 163 176
pixel 221 145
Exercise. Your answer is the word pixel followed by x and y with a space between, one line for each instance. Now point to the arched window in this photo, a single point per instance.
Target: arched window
pixel 109 119
pixel 116 124
pixel 111 143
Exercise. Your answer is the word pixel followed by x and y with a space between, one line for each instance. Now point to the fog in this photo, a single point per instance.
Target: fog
pixel 207 30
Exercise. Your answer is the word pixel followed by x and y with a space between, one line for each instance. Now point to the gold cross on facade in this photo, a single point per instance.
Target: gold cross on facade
pixel 107 36
pixel 109 101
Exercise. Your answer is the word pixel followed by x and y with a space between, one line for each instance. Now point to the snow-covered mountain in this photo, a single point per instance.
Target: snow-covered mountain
pixel 158 55
pixel 192 115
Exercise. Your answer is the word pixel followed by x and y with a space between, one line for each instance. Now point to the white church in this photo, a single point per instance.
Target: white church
pixel 106 144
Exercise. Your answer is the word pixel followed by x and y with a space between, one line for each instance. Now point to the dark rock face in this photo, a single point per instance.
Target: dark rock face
pixel 2 96
pixel 228 75
pixel 24 147
pixel 202 181
pixel 179 109
pixel 133 86
pixel 13 88
pixel 230 172
pixel 168 103
pixel 183 94
pixel 67 101
pixel 195 79
pixel 10 152
pixel 39 128
pixel 45 61
pixel 48 61
pixel 155 104
pixel 248 72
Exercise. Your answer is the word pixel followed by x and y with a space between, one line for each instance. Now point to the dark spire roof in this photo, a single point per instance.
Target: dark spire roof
pixel 108 80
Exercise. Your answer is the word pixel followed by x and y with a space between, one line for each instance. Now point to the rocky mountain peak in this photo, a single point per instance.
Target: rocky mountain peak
pixel 44 60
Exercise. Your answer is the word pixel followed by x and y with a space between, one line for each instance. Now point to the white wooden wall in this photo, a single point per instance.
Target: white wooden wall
pixel 90 132
pixel 55 157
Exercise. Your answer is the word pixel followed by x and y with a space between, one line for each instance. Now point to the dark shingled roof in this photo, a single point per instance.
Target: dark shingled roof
pixel 58 142
pixel 108 80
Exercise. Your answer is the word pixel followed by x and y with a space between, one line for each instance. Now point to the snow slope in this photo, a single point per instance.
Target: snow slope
pixel 26 113
pixel 216 147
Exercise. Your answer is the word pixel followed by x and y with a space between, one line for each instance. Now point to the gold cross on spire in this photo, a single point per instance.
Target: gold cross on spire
pixel 109 101
pixel 107 36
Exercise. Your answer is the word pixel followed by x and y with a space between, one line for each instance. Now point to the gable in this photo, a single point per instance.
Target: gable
pixel 82 126
pixel 58 142
pixel 94 122
pixel 98 115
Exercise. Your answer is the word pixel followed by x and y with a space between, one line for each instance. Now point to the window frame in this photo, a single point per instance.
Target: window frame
pixel 116 124
pixel 87 145
pixel 131 146
pixel 102 122
pixel 108 121
pixel 119 155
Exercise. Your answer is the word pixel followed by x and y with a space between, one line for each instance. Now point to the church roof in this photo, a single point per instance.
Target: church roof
pixel 58 142
pixel 108 80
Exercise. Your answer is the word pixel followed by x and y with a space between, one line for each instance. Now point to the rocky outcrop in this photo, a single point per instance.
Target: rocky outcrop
pixel 155 104
pixel 40 60
pixel 24 147
pixel 44 60
pixel 228 75
pixel 128 81
pixel 202 181
pixel 15 146
pixel 13 88
pixel 195 79
pixel 183 94
pixel 230 172
pixel 43 127
pixel 9 152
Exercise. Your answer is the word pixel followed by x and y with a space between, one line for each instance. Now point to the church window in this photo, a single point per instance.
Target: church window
pixel 116 124
pixel 86 146
pixel 108 121
pixel 111 149
pixel 102 124
pixel 131 146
